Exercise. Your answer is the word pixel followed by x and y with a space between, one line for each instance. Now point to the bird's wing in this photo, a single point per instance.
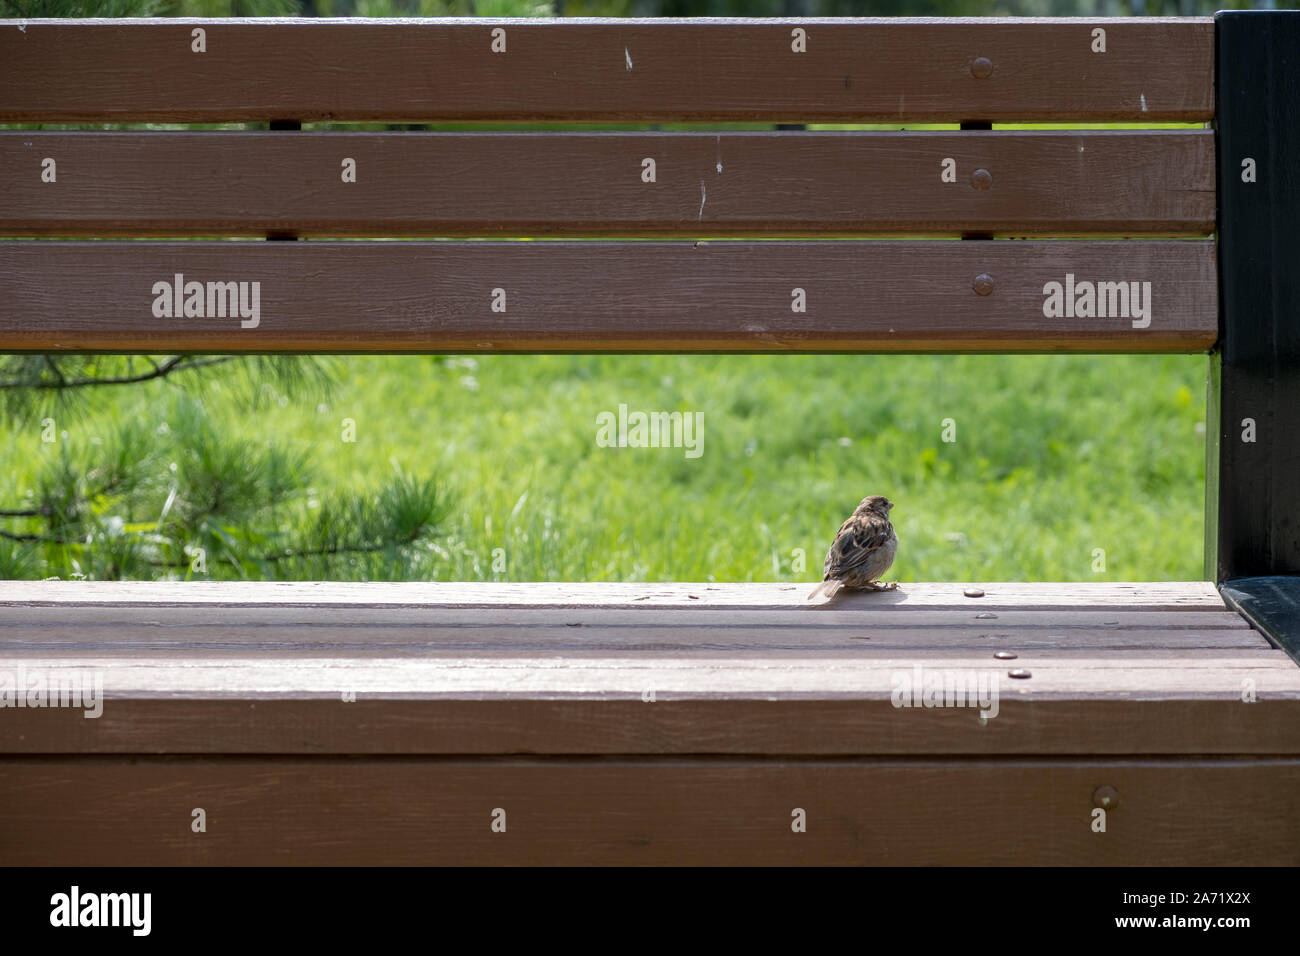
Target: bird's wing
pixel 858 539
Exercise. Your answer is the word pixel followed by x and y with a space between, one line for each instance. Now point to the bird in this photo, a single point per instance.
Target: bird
pixel 862 551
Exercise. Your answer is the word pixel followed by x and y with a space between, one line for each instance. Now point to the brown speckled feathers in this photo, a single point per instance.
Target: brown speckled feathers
pixel 862 551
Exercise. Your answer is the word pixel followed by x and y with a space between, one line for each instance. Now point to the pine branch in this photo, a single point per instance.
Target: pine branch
pixel 288 555
pixel 177 363
pixel 45 538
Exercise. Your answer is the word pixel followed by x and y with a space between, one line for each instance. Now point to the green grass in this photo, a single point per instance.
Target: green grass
pixel 1055 456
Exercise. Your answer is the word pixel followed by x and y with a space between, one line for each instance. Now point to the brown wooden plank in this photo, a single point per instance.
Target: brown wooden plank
pixel 1181 596
pixel 107 633
pixel 721 296
pixel 137 811
pixel 507 668
pixel 853 70
pixel 1082 725
pixel 1210 674
pixel 852 617
pixel 29 626
pixel 116 616
pixel 593 184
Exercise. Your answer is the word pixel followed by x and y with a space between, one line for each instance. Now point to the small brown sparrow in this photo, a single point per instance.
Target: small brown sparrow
pixel 862 551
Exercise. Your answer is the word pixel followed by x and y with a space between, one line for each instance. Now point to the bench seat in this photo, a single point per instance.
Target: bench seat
pixel 646 723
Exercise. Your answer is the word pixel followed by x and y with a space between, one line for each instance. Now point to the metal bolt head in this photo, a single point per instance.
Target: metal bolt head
pixel 981 179
pixel 986 616
pixel 1019 674
pixel 1106 797
pixel 981 68
pixel 973 592
pixel 983 285
pixel 1005 655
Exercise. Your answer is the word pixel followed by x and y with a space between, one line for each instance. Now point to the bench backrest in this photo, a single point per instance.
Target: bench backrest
pixel 1068 193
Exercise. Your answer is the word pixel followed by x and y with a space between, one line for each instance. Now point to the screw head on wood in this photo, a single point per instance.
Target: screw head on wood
pixel 1005 655
pixel 983 285
pixel 981 68
pixel 973 592
pixel 981 179
pixel 986 616
pixel 1106 797
pixel 1019 674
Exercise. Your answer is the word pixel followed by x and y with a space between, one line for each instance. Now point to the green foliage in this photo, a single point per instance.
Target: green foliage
pixel 32 386
pixel 167 492
pixel 79 8
pixel 1055 456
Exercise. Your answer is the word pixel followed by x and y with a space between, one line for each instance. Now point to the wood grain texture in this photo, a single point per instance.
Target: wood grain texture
pixel 1181 596
pixel 1080 725
pixel 591 184
pixel 563 668
pixel 399 633
pixel 710 811
pixel 771 674
pixel 609 297
pixel 854 70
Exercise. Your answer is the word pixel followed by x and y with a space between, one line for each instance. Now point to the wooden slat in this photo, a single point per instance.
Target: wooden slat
pixel 98 630
pixel 1043 726
pixel 592 184
pixel 137 812
pixel 794 674
pixel 1181 596
pixel 616 297
pixel 563 668
pixel 850 618
pixel 854 70
pixel 711 675
pixel 157 622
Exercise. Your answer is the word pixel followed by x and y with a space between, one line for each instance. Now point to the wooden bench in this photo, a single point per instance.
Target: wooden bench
pixel 588 723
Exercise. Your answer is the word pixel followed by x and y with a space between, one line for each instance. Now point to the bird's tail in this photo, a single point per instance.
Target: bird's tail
pixel 826 590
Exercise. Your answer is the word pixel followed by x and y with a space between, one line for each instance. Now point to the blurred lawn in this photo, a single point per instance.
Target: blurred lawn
pixel 1055 456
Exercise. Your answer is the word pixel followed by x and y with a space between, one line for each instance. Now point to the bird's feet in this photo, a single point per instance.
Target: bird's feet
pixel 882 586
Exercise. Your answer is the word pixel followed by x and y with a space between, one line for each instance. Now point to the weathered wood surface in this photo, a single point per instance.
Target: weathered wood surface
pixel 853 70
pixel 568 668
pixel 868 296
pixel 792 674
pixel 846 184
pixel 406 630
pixel 137 811
pixel 642 723
pixel 1181 596
pixel 1033 726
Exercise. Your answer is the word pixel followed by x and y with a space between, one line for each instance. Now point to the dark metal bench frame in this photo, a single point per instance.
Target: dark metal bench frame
pixel 1253 488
